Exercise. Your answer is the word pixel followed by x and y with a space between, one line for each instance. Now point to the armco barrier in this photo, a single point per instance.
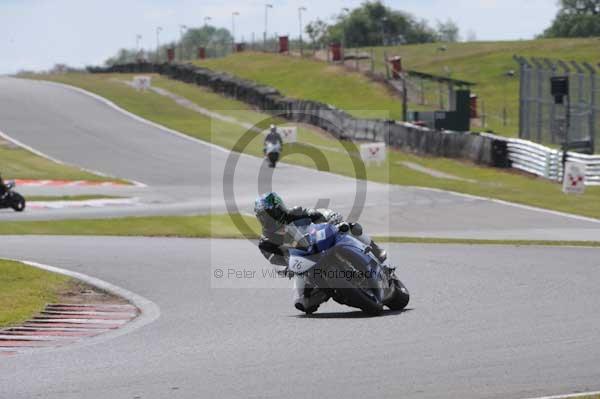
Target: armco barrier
pixel 478 148
pixel 547 162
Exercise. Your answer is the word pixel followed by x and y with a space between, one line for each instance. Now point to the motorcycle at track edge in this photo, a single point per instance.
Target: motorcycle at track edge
pixel 12 199
pixel 325 262
pixel 272 151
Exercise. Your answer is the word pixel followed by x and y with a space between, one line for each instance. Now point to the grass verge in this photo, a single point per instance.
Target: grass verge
pixel 18 163
pixel 25 290
pixel 312 80
pixel 217 226
pixel 486 64
pixel 205 226
pixel 477 180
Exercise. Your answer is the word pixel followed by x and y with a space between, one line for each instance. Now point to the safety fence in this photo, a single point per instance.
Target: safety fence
pixel 482 148
pixel 547 162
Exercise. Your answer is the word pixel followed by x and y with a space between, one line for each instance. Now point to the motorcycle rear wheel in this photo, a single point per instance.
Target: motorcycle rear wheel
pixel 18 203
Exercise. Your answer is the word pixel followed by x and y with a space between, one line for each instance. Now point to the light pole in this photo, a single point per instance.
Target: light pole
pixel 158 30
pixel 206 19
pixel 346 11
pixel 138 40
pixel 182 29
pixel 233 15
pixel 300 26
pixel 383 21
pixel 267 6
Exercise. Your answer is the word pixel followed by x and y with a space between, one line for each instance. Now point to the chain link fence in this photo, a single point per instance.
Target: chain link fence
pixel 572 124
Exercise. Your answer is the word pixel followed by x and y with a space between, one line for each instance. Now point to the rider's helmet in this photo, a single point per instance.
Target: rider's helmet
pixel 270 211
pixel 273 129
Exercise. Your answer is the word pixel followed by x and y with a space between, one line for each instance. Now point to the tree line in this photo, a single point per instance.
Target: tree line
pixel 575 18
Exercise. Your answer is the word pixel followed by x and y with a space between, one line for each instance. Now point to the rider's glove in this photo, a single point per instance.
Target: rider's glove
pixel 334 218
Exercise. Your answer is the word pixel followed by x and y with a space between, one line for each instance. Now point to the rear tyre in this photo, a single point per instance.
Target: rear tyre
pixel 273 158
pixel 18 203
pixel 401 297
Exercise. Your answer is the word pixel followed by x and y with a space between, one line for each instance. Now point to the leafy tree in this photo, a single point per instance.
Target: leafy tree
pixel 206 36
pixel 448 31
pixel 215 40
pixel 317 31
pixel 123 56
pixel 373 23
pixel 576 18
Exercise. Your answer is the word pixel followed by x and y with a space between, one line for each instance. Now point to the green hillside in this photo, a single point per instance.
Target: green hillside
pixel 484 63
pixel 314 80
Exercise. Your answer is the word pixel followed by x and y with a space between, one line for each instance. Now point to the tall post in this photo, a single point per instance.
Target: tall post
pixel 233 15
pixel 158 29
pixel 521 97
pixel 182 29
pixel 404 99
pixel 383 21
pixel 346 11
pixel 592 105
pixel 539 69
pixel 526 102
pixel 267 6
pixel 300 26
pixel 552 117
pixel 138 49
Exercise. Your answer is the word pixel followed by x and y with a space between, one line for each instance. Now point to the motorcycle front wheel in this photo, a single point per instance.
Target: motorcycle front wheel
pixel 401 296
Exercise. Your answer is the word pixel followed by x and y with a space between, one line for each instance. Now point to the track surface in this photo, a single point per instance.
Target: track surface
pixel 484 322
pixel 186 177
pixel 491 322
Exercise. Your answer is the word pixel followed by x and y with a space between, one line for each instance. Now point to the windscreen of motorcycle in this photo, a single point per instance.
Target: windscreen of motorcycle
pixel 323 236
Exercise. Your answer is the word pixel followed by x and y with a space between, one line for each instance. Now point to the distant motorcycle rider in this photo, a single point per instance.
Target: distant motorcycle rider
pixel 273 136
pixel 273 216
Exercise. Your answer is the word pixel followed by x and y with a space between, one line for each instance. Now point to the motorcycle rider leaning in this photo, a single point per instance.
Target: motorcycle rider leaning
pixel 273 215
pixel 3 188
pixel 273 136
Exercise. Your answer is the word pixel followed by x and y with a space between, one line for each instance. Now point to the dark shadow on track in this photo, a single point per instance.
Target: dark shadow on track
pixel 358 314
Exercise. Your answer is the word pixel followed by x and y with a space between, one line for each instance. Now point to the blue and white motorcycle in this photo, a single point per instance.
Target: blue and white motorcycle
pixel 272 152
pixel 326 261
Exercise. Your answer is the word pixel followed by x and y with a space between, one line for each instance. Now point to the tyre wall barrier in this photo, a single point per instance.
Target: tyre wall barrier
pixel 482 149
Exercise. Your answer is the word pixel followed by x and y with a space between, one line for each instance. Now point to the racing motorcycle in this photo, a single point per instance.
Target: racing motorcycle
pixel 325 261
pixel 12 199
pixel 272 151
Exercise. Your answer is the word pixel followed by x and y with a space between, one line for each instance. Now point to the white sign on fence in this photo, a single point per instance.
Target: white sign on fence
pixel 574 178
pixel 373 152
pixel 142 82
pixel 289 134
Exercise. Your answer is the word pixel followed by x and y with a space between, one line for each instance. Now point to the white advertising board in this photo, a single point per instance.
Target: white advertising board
pixel 142 82
pixel 574 178
pixel 373 152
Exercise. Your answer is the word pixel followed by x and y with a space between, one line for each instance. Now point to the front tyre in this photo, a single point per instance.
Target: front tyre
pixel 401 296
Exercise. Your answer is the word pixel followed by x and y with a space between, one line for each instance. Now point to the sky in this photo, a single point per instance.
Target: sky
pixel 36 34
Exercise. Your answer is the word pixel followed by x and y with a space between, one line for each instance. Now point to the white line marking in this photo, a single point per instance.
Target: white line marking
pixel 186 137
pixel 568 396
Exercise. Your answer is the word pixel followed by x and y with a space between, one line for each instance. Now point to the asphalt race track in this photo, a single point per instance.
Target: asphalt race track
pixel 186 176
pixel 484 321
pixel 493 322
